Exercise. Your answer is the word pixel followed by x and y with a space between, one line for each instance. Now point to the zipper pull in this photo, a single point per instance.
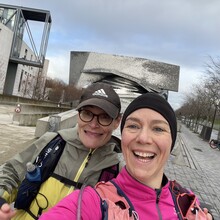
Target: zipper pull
pixel 88 158
pixel 158 192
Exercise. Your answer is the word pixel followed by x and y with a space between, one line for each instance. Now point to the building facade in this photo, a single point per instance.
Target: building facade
pixel 23 71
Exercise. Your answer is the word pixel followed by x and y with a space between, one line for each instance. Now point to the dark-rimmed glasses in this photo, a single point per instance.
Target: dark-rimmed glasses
pixel 87 116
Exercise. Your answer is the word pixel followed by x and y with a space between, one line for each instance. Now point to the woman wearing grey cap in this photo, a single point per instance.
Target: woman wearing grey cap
pixel 141 190
pixel 89 155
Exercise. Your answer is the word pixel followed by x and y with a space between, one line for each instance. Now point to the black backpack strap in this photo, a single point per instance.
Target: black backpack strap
pixel 46 161
pixel 64 180
pixel 2 201
pixel 31 214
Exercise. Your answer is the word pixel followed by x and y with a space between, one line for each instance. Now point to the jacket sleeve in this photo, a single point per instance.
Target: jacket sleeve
pixel 68 207
pixel 13 171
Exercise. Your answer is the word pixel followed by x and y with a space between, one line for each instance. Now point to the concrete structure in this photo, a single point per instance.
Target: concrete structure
pixel 6 36
pixel 23 68
pixel 26 112
pixel 56 122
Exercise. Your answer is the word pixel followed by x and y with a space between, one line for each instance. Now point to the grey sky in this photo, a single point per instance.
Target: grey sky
pixel 180 32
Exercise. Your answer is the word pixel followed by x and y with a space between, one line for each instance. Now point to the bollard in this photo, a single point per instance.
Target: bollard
pixel 54 123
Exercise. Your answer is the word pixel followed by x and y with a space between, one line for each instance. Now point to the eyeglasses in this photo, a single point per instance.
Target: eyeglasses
pixel 87 116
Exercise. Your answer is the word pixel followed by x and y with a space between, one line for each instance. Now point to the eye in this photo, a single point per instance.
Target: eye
pixel 86 112
pixel 158 129
pixel 104 116
pixel 132 126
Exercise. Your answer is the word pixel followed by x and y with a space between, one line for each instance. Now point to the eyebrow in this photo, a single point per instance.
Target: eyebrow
pixel 133 119
pixel 154 121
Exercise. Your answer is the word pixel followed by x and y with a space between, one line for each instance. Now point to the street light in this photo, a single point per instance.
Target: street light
pixel 216 104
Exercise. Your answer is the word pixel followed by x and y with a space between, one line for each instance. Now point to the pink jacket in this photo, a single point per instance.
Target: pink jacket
pixel 148 203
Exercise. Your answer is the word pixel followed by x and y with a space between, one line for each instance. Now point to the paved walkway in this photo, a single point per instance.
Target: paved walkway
pixel 13 138
pixel 192 163
pixel 196 166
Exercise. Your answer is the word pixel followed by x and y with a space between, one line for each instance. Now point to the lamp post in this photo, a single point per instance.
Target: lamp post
pixel 216 103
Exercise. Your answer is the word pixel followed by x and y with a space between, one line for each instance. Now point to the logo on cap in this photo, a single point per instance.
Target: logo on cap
pixel 100 92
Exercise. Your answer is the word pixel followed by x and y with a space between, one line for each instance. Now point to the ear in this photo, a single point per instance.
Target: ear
pixel 117 121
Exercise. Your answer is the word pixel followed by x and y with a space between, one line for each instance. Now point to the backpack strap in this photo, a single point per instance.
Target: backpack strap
pixel 2 201
pixel 67 181
pixel 122 194
pixel 182 199
pixel 46 161
pixel 79 203
pixel 111 191
pixel 186 203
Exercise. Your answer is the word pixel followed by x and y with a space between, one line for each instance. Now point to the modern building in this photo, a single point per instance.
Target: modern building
pixel 130 76
pixel 23 67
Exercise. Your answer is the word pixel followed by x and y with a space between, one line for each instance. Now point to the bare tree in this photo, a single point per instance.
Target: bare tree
pixel 72 93
pixel 56 88
pixel 212 79
pixel 200 105
pixel 39 85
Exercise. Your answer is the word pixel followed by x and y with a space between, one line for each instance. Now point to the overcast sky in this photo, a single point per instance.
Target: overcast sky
pixel 180 32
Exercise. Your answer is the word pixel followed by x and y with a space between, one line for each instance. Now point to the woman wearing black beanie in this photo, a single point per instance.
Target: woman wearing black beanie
pixel 157 103
pixel 149 130
pixel 141 190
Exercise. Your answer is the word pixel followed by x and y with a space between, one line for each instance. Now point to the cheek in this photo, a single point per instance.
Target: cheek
pixel 79 122
pixel 125 140
pixel 165 144
pixel 108 129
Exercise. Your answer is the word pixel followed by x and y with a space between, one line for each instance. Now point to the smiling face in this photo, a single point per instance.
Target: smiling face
pixel 146 145
pixel 92 134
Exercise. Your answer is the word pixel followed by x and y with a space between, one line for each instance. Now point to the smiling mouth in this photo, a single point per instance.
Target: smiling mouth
pixel 93 133
pixel 144 156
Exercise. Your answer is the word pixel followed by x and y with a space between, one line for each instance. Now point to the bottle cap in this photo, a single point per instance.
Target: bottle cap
pixel 30 167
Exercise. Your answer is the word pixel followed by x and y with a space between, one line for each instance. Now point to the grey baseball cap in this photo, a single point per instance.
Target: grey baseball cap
pixel 103 96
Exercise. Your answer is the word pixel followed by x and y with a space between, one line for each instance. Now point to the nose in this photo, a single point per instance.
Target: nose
pixel 144 136
pixel 94 123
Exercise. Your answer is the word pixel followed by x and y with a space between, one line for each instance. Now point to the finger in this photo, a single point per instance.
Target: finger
pixel 209 216
pixel 205 210
pixel 6 207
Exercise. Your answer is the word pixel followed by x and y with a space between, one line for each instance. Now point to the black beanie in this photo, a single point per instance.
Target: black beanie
pixel 156 103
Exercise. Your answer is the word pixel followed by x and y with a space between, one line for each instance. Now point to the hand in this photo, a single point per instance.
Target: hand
pixel 208 215
pixel 6 212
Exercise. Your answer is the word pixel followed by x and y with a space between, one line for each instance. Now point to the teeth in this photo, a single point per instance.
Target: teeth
pixel 143 154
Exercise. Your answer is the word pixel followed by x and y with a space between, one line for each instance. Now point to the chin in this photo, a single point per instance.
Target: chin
pixel 91 146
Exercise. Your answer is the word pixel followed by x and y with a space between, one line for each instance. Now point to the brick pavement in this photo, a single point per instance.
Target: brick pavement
pixel 198 170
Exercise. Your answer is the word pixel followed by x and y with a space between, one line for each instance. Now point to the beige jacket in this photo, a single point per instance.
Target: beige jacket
pixel 71 165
